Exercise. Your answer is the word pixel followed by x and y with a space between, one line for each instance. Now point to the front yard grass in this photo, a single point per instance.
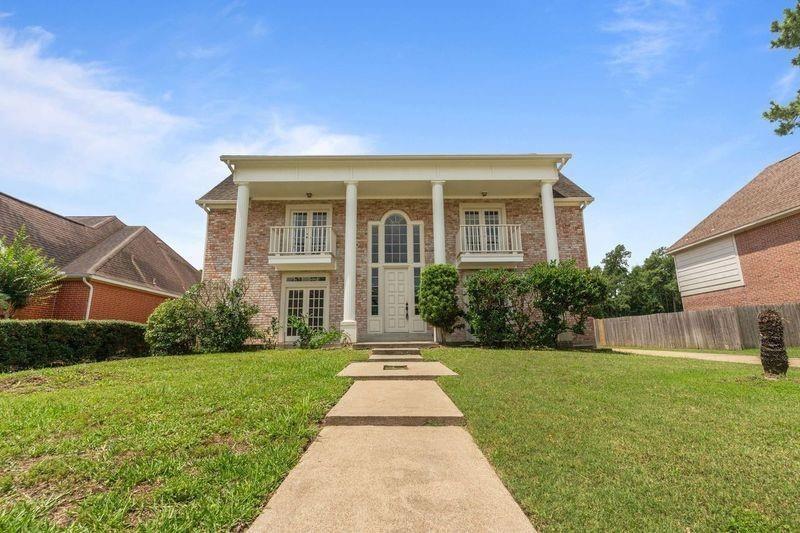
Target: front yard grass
pixel 604 441
pixel 161 443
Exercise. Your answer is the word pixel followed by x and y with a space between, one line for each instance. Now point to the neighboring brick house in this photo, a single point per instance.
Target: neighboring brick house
pixel 342 239
pixel 747 252
pixel 111 270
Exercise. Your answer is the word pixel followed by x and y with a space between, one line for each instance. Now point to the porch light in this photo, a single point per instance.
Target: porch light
pixel 308 195
pixel 484 193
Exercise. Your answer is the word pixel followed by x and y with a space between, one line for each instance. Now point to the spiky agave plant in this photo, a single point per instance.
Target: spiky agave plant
pixel 773 350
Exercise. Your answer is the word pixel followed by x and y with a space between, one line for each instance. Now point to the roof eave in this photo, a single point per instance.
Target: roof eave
pixel 554 157
pixel 744 227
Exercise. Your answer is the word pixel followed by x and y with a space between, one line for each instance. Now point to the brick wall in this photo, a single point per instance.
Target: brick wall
pixel 770 259
pixel 68 303
pixel 109 302
pixel 265 281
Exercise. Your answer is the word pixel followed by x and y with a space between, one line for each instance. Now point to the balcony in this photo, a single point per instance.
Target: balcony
pixel 302 247
pixel 485 245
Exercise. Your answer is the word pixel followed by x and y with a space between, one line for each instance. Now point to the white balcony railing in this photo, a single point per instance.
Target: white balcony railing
pixel 497 239
pixel 301 240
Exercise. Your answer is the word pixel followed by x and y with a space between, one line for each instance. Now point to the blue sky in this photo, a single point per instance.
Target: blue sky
pixel 113 109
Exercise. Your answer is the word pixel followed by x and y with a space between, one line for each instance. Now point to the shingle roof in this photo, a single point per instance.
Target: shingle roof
pixel 99 245
pixel 225 191
pixel 775 190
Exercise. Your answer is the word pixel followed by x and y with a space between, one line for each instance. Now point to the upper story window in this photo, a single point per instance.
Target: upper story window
pixel 482 227
pixel 308 231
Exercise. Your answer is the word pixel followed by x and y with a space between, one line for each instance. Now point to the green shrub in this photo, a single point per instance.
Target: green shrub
pixel 566 296
pixel 438 302
pixel 532 307
pixel 225 315
pixel 213 316
pixel 488 305
pixel 172 327
pixel 312 338
pixel 42 343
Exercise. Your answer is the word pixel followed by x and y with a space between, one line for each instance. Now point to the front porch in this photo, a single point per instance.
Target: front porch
pixel 345 239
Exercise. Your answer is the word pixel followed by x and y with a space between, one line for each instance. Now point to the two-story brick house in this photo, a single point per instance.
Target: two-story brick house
pixel 342 240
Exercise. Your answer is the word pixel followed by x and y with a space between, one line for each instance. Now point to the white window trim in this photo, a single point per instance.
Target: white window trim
pixel 308 208
pixel 286 285
pixel 463 208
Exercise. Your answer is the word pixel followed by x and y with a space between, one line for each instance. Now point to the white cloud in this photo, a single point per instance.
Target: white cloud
pixel 66 127
pixel 787 85
pixel 651 33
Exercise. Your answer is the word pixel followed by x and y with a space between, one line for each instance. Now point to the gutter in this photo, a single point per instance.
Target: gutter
pixel 91 296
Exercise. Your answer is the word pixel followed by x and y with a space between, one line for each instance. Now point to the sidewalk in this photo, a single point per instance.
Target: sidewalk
pixel 725 358
pixel 393 457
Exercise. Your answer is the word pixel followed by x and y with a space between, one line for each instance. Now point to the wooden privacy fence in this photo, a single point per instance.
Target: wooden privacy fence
pixel 726 328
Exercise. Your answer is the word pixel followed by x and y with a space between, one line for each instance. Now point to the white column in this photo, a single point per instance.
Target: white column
pixel 240 230
pixel 439 253
pixel 350 220
pixel 549 215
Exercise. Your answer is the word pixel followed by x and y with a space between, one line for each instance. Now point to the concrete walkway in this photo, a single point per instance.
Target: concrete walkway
pixel 725 358
pixel 392 457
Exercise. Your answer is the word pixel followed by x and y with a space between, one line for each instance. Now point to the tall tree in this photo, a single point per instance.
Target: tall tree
pixel 652 287
pixel 788 31
pixel 26 275
pixel 615 270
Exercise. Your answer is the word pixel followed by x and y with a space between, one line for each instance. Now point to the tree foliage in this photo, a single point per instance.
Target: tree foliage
pixel 26 274
pixel 786 116
pixel 438 301
pixel 649 288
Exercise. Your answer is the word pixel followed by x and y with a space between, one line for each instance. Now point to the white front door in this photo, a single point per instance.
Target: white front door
pixel 395 297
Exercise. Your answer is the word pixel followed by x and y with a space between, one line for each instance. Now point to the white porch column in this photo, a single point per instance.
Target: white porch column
pixel 439 253
pixel 350 221
pixel 549 215
pixel 240 230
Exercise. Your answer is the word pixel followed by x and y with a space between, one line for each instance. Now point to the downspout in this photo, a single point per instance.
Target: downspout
pixel 91 294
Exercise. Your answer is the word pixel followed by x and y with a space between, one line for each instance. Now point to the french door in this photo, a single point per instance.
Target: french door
pixel 309 231
pixel 307 302
pixel 482 230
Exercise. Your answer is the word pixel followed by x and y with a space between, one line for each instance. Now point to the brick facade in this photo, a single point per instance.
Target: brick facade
pixel 770 260
pixel 265 281
pixel 109 302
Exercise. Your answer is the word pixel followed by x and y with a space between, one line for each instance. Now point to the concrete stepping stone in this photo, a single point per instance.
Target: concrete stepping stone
pixel 395 403
pixel 399 370
pixel 394 357
pixel 381 478
pixel 395 351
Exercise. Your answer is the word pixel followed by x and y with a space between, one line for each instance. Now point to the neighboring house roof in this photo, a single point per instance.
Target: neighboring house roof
pixel 225 191
pixel 101 246
pixel 773 193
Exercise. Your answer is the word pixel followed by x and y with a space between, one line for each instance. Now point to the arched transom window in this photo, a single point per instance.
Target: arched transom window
pixel 395 239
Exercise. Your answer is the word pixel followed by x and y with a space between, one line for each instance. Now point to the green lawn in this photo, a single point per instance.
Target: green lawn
pixel 162 443
pixel 612 442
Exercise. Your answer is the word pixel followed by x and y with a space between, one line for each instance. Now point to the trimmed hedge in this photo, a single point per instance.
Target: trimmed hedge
pixel 41 343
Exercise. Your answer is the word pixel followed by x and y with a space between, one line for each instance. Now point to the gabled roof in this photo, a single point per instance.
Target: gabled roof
pixel 225 191
pixel 99 246
pixel 773 193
